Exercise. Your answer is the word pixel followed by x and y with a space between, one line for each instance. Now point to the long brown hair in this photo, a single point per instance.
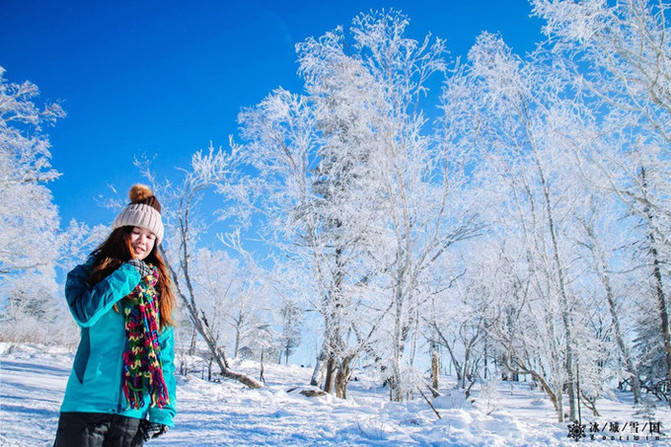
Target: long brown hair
pixel 116 250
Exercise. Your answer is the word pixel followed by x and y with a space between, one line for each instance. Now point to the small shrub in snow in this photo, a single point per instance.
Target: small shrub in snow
pixel 452 399
pixel 489 398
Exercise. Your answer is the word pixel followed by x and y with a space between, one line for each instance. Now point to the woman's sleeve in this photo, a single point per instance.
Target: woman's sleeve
pixel 165 415
pixel 87 304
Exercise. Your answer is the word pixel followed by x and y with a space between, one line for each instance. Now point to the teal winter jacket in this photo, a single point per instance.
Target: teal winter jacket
pixel 95 381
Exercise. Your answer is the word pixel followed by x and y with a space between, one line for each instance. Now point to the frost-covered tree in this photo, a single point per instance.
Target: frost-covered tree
pixel 312 208
pixel 603 255
pixel 233 296
pixel 649 345
pixel 209 170
pixel 262 346
pixel 530 122
pixel 346 101
pixel 28 217
pixel 618 55
pixel 421 178
pixel 77 241
pixel 351 176
pixel 32 310
pixel 292 322
pixel 461 325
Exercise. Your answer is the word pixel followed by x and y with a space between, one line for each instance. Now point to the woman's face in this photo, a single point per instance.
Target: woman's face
pixel 142 242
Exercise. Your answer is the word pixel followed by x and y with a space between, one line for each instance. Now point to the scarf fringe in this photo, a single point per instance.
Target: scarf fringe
pixel 142 369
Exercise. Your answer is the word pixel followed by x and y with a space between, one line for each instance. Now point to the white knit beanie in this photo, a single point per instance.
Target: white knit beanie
pixel 144 211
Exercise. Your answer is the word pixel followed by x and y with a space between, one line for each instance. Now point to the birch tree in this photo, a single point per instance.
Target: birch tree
pixel 621 58
pixel 596 222
pixel 530 120
pixel 314 190
pixel 211 170
pixel 421 172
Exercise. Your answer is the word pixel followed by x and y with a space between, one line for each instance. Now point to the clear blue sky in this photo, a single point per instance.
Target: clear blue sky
pixel 166 77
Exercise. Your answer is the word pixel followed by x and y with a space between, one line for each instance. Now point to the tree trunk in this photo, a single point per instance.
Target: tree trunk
pixel 558 403
pixel 342 377
pixel 415 335
pixel 396 384
pixel 209 370
pixel 316 373
pixel 484 358
pixel 563 302
pixel 261 378
pixel 435 361
pixel 659 285
pixel 635 381
pixel 238 324
pixel 602 268
pixel 591 404
pixel 192 346
pixel 454 361
pixel 329 381
pixel 663 312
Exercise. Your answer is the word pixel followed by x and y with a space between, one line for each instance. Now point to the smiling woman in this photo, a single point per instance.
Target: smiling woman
pixel 142 242
pixel 121 391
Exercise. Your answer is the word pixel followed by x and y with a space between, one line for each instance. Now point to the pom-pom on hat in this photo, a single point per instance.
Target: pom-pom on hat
pixel 144 211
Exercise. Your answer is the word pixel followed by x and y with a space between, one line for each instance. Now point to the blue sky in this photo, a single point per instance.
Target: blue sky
pixel 167 77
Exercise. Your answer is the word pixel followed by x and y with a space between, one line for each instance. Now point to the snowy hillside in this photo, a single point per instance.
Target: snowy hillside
pixel 219 414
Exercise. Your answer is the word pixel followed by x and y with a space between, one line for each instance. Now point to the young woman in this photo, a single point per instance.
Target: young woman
pixel 121 391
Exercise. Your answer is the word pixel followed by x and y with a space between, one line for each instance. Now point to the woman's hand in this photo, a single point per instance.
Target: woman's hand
pixel 151 430
pixel 141 266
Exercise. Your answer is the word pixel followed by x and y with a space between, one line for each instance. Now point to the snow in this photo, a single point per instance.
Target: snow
pixel 32 382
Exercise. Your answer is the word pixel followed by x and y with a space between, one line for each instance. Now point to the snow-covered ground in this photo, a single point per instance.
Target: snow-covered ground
pixel 32 382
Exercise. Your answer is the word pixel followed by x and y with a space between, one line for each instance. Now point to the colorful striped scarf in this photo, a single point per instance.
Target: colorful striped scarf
pixel 142 370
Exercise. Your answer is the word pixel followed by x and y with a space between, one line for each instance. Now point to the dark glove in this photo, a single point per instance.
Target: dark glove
pixel 142 268
pixel 151 430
